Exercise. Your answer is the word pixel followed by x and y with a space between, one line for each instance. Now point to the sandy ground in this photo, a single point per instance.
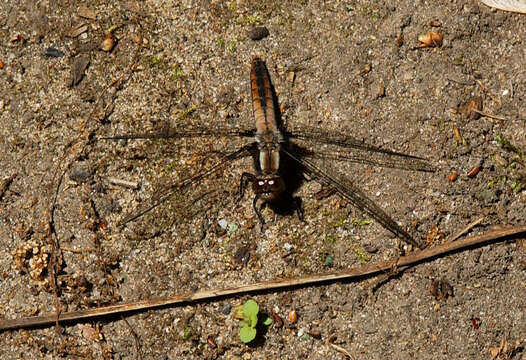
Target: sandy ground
pixel 353 67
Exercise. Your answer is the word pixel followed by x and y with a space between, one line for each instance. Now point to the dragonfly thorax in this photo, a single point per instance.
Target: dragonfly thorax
pixel 269 159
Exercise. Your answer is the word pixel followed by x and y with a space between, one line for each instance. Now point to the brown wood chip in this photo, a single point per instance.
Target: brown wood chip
pixel 77 30
pixel 87 13
pixel 80 64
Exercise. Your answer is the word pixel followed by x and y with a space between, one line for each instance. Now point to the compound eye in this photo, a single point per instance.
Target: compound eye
pixel 261 183
pixel 271 182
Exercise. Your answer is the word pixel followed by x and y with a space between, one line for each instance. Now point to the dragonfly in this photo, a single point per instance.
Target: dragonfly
pixel 278 155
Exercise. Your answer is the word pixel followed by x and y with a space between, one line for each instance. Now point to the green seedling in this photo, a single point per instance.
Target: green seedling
pixel 361 222
pixel 252 20
pixel 189 110
pixel 329 261
pixel 177 72
pixel 331 240
pixel 508 146
pixel 232 46
pixel 515 175
pixel 248 313
pixel 232 228
pixel 361 254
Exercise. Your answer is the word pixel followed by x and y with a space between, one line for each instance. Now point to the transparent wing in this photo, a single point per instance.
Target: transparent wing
pixel 189 132
pixel 355 196
pixel 382 159
pixel 180 185
pixel 356 151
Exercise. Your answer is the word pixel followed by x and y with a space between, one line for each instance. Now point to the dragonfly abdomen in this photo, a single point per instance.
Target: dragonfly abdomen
pixel 262 100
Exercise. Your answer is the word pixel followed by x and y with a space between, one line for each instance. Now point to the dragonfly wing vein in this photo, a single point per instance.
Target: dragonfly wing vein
pixel 244 151
pixel 395 161
pixel 356 197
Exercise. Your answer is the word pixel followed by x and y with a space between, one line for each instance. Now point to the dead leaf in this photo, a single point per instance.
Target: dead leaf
pixel 518 6
pixel 472 108
pixel 441 289
pixel 434 234
pixel 430 39
pixel 87 13
pixel 80 64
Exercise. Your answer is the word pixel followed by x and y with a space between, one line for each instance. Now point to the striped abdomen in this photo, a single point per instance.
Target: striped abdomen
pixel 262 102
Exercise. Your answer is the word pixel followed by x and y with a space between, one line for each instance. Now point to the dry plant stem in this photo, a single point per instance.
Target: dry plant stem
pixel 77 251
pixel 125 183
pixel 136 343
pixel 341 350
pixel 489 115
pixel 466 229
pixel 379 267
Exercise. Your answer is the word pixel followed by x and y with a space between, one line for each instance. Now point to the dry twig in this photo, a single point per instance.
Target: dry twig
pixel 271 285
pixel 466 229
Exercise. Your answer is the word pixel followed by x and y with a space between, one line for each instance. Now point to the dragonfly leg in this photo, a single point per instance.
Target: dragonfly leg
pixel 258 212
pixel 298 206
pixel 245 179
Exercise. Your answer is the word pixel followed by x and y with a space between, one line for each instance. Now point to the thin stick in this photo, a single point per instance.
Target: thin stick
pixel 275 284
pixel 489 115
pixel 135 337
pixel 341 350
pixel 466 229
pixel 129 184
pixel 77 250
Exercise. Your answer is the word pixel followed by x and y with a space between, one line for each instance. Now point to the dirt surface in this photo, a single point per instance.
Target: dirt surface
pixel 354 67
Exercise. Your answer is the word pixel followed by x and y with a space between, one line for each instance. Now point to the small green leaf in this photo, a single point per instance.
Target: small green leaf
pixel 232 228
pixel 188 111
pixel 239 313
pixel 253 320
pixel 329 261
pixel 232 46
pixel 247 334
pixel 361 222
pixel 187 333
pixel 267 321
pixel 250 307
pixel 361 254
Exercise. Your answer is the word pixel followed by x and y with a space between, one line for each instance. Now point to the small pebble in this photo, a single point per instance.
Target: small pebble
pixel 80 174
pixel 52 52
pixel 293 316
pixel 225 309
pixel 223 224
pixel 258 33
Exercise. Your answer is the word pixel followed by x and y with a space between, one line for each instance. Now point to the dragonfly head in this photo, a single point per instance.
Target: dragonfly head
pixel 268 188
